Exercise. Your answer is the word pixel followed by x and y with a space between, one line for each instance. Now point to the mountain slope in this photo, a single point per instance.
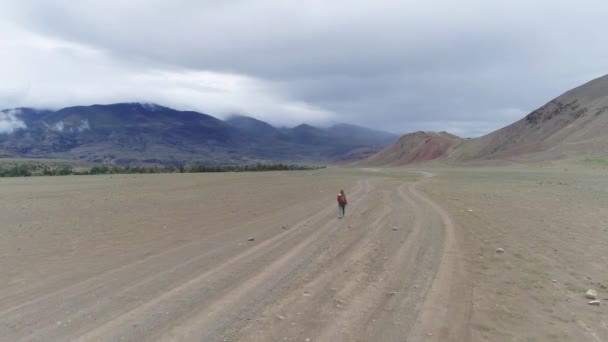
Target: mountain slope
pixel 135 133
pixel 415 147
pixel 339 142
pixel 574 123
pixel 119 132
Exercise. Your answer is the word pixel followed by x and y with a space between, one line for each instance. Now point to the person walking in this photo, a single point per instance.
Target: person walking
pixel 342 202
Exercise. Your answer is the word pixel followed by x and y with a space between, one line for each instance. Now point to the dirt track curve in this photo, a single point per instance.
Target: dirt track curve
pixel 391 270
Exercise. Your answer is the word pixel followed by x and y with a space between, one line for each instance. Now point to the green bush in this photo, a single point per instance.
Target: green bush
pixel 27 170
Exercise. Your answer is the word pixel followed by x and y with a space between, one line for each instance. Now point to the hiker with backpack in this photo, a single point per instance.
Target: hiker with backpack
pixel 342 202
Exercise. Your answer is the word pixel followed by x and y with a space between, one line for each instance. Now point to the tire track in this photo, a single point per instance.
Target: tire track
pixel 378 288
pixel 385 309
pixel 78 303
pixel 190 291
pixel 447 309
pixel 325 279
pixel 340 260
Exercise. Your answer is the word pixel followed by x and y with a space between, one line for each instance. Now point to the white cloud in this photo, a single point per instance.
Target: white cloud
pixel 9 121
pixel 50 73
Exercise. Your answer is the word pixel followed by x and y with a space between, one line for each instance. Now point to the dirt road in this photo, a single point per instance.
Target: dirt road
pixel 168 257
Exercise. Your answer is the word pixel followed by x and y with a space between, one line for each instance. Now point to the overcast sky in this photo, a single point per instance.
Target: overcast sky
pixel 465 66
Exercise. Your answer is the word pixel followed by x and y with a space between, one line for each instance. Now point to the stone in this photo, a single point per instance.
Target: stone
pixel 500 250
pixel 594 302
pixel 251 239
pixel 591 294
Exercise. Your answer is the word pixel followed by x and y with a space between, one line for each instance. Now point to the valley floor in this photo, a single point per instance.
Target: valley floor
pixel 264 257
pixel 552 223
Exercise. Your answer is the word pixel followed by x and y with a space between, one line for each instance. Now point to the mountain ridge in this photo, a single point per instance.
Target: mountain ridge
pixel 135 133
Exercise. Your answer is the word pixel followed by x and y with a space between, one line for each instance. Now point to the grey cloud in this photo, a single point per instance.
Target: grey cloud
pixel 395 65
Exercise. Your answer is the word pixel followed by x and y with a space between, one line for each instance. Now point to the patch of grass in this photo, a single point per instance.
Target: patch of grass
pixel 482 327
pixel 573 287
pixel 554 336
pixel 596 160
pixel 534 278
pixel 538 271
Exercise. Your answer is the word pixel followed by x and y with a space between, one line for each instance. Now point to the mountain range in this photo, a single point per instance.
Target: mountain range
pixel 139 133
pixel 573 124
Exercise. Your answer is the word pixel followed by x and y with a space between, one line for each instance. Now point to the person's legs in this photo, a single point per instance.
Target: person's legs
pixel 340 210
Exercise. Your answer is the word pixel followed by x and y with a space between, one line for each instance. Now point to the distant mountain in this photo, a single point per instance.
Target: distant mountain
pixel 252 125
pixel 573 124
pixel 135 133
pixel 364 136
pixel 335 141
pixel 413 148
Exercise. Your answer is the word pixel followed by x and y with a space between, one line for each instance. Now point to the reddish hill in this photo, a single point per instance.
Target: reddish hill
pixel 413 148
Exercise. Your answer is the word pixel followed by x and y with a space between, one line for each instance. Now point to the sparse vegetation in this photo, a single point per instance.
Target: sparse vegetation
pixel 40 169
pixel 19 170
pixel 597 160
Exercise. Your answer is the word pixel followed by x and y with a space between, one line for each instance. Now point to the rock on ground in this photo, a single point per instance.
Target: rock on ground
pixel 591 294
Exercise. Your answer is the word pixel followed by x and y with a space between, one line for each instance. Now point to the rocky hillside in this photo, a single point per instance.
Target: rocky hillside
pixel 573 124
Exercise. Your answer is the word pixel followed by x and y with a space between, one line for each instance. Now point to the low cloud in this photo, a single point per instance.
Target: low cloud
pixel 58 127
pixel 84 126
pixel 61 127
pixel 9 122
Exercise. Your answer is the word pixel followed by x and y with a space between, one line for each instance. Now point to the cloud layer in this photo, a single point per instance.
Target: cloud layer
pixel 467 67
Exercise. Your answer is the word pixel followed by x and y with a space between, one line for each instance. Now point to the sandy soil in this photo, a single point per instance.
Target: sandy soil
pixel 167 257
pixel 553 225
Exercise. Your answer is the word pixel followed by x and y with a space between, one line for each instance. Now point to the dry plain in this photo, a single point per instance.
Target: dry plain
pixel 169 257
